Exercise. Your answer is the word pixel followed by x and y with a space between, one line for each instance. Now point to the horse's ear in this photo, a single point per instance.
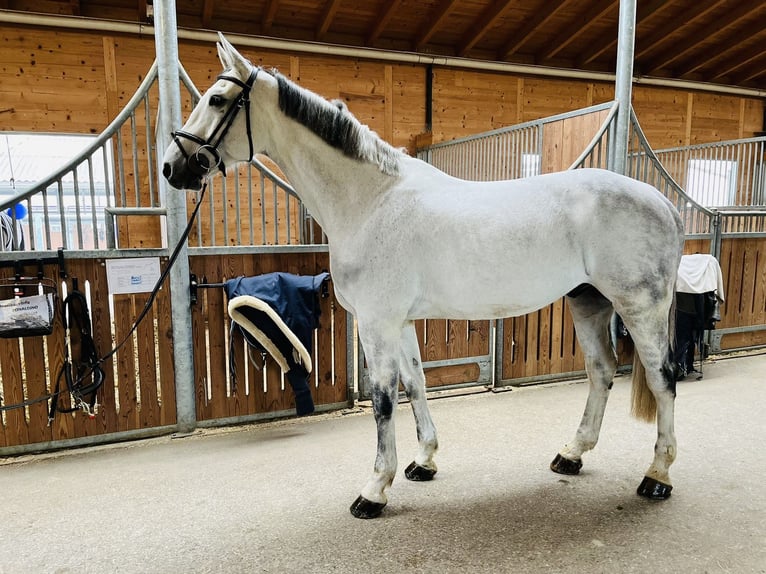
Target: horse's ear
pixel 230 58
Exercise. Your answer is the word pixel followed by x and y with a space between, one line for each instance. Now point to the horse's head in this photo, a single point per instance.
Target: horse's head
pixel 218 132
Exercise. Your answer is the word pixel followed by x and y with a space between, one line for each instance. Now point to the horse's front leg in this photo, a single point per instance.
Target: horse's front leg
pixel 411 372
pixel 382 362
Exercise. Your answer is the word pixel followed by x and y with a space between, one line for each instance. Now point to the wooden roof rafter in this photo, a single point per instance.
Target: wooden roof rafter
pixel 608 42
pixel 584 23
pixel 680 48
pixel 386 13
pixel 438 16
pixel 530 28
pixel 741 59
pixel 482 24
pixel 269 14
pixel 731 47
pixel 756 69
pixel 330 10
pixel 208 8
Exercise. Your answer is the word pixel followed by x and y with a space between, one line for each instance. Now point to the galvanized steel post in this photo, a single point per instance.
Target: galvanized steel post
pixel 166 45
pixel 626 37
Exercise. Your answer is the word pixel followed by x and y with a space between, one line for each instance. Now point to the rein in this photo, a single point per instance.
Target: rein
pixel 206 157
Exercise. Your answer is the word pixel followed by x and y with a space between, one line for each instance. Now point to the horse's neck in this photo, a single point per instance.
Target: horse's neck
pixel 338 191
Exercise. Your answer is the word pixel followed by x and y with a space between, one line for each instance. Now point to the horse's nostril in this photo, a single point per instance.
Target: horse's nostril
pixel 166 170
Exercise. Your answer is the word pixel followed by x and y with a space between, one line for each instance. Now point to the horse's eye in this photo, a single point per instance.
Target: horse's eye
pixel 216 100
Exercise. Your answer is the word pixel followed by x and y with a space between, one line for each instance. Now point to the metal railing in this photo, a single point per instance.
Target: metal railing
pixel 505 153
pixel 644 165
pixel 83 205
pixel 722 174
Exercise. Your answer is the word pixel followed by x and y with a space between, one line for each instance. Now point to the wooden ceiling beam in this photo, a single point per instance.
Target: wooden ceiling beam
pixel 608 42
pixel 531 27
pixel 583 23
pixel 208 7
pixel 482 24
pixel 757 69
pixel 268 16
pixel 685 45
pixel 330 9
pixel 664 34
pixel 740 57
pixel 438 15
pixel 385 15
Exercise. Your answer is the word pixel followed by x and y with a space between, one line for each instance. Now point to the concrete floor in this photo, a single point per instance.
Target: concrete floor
pixel 274 497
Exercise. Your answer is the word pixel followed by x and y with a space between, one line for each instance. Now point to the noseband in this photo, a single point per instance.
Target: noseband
pixel 206 157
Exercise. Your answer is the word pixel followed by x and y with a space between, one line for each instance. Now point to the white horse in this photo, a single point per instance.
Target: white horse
pixel 408 241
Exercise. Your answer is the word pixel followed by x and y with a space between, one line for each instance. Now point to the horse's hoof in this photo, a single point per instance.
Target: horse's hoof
pixel 418 473
pixel 562 465
pixel 363 508
pixel 654 489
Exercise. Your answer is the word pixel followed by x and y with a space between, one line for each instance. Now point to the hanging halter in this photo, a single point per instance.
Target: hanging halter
pixel 206 157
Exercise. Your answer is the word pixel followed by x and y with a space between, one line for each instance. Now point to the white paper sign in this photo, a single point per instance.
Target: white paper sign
pixel 132 275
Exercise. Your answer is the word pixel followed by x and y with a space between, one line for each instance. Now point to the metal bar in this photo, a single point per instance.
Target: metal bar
pixel 166 43
pixel 94 218
pixel 624 81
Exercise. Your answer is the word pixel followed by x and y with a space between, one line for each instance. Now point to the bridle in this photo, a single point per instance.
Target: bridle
pixel 206 157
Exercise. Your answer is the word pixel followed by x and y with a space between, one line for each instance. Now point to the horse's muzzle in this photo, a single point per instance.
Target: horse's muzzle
pixel 181 178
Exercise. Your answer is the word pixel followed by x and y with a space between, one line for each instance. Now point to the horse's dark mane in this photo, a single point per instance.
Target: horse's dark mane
pixel 335 125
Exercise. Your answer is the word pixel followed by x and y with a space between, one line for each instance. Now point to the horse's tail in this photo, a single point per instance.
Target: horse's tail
pixel 643 403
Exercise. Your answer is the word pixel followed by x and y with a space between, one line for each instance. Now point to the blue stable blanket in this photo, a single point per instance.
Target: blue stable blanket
pixel 277 314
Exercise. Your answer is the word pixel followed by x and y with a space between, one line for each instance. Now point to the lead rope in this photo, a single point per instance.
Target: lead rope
pixel 161 280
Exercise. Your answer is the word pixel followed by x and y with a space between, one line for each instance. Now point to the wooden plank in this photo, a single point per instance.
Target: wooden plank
pixel 531 355
pixel 552 158
pixel 16 428
pixel 149 406
pixel 126 364
pixel 36 380
pixel 167 387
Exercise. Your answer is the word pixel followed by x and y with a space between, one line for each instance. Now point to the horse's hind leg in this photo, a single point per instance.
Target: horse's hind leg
pixel 650 334
pixel 591 312
pixel 414 381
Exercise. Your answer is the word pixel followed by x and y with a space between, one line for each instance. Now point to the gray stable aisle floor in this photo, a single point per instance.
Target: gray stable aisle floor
pixel 274 497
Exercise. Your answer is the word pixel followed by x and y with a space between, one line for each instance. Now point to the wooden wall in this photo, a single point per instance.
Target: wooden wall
pixel 75 82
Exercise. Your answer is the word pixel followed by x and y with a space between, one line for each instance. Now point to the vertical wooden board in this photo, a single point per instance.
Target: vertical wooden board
pixel 231 267
pixel 199 330
pixel 342 374
pixel 509 338
pixel 324 393
pixel 728 264
pixel 457 339
pixel 557 337
pixel 149 406
pixel 544 340
pixel 748 281
pixel 531 361
pixel 166 350
pixel 759 272
pixel 10 368
pixel 216 337
pixel 552 159
pixel 95 273
pixel 569 341
pixel 436 336
pixel 36 377
pixel 478 338
pixel 734 283
pixel 253 401
pixel 126 364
